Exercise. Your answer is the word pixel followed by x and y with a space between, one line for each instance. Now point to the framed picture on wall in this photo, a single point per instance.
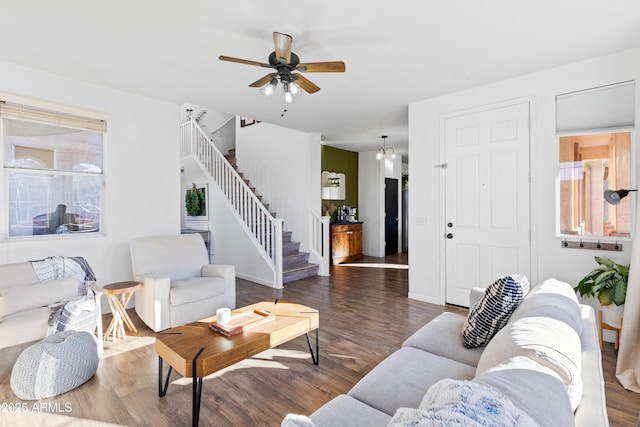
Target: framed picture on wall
pixel 196 202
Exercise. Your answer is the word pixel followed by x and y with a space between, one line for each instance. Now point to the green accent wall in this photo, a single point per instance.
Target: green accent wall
pixel 346 162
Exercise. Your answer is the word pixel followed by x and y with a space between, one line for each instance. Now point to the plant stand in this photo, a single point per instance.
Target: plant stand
pixel 605 326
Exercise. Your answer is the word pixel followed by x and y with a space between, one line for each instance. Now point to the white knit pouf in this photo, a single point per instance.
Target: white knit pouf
pixel 55 365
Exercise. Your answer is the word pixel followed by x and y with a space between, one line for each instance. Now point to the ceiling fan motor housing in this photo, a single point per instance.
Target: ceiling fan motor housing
pixel 284 70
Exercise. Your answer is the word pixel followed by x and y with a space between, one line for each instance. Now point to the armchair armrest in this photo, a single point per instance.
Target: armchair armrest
pixel 152 300
pixel 228 273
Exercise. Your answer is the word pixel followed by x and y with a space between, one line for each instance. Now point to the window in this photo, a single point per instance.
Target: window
pixel 589 165
pixel 53 169
pixel 595 130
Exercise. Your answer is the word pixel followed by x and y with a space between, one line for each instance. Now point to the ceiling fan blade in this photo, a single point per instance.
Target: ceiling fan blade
pixel 243 61
pixel 264 80
pixel 322 67
pixel 282 43
pixel 305 83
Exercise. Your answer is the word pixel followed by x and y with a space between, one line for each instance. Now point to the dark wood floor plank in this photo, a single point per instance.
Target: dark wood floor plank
pixel 365 315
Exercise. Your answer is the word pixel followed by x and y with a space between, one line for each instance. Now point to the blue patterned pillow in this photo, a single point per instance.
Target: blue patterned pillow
pixel 493 309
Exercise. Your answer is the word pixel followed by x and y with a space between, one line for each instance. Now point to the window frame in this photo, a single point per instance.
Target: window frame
pixel 633 148
pixel 54 111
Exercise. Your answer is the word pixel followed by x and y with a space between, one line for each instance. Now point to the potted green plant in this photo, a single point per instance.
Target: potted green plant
pixel 608 283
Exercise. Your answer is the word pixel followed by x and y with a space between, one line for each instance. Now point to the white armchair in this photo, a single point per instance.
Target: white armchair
pixel 179 284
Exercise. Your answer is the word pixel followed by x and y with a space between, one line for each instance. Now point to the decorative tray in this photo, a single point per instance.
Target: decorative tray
pixel 242 321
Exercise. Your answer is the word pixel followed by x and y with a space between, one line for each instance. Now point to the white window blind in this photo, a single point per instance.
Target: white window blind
pixel 31 114
pixel 606 107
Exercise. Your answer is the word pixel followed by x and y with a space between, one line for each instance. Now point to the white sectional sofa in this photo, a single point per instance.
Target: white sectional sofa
pixel 29 301
pixel 545 361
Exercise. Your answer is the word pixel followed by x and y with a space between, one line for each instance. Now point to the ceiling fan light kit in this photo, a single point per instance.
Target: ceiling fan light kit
pixel 285 63
pixel 269 88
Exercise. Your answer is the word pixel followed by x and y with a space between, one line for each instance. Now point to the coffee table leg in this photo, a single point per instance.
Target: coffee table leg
pixel 162 390
pixel 197 390
pixel 315 357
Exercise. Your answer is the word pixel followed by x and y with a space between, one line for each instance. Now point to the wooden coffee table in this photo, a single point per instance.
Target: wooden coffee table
pixel 195 351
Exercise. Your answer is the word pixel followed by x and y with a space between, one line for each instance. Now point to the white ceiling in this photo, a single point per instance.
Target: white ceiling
pixel 396 52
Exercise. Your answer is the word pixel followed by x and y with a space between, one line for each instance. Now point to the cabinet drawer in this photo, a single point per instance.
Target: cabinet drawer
pixel 345 227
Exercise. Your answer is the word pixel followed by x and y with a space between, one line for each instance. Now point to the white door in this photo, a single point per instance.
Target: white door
pixel 487 198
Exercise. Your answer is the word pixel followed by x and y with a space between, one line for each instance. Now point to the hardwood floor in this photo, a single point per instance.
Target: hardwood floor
pixel 261 390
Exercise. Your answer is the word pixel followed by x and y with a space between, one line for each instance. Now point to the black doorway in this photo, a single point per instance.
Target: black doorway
pixel 391 216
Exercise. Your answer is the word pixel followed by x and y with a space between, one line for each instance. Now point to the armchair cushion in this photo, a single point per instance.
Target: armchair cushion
pixel 179 257
pixel 196 289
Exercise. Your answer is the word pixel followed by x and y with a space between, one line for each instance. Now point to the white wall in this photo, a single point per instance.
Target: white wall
pixel 371 203
pixel 426 212
pixel 142 171
pixel 284 166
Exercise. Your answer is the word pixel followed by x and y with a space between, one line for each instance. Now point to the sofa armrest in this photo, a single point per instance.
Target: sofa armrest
pixel 153 300
pixel 593 407
pixel 97 296
pixel 474 295
pixel 228 273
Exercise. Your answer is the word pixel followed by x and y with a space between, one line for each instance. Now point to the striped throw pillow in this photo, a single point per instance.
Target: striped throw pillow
pixel 493 309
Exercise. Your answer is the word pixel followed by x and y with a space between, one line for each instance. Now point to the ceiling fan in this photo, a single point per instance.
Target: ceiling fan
pixel 285 62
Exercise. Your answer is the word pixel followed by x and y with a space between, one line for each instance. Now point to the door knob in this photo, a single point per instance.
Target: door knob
pixel 449 236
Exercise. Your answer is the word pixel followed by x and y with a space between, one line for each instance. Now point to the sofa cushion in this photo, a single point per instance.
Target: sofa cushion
pixel 346 411
pixel 441 336
pixel 196 289
pixel 21 298
pixel 551 408
pixel 402 379
pixel 24 326
pixel 551 298
pixel 546 341
pixel 17 274
pixel 493 309
pixel 462 403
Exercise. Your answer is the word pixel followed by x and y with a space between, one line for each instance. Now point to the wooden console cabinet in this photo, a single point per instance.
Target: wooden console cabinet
pixel 346 242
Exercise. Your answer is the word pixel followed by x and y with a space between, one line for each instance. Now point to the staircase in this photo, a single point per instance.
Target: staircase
pixel 295 264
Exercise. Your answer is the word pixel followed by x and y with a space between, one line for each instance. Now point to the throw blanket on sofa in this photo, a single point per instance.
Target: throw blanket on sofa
pixel 74 313
pixel 462 403
pixel 77 314
pixel 58 267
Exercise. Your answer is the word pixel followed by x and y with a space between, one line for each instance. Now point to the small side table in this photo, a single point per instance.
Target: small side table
pixel 118 296
pixel 605 326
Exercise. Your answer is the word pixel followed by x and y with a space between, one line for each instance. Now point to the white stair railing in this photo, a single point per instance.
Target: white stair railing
pixel 319 241
pixel 265 230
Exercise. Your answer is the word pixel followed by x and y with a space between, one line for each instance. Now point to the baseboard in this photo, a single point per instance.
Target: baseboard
pixel 257 280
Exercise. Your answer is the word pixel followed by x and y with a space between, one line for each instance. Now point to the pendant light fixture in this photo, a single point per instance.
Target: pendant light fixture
pixel 384 151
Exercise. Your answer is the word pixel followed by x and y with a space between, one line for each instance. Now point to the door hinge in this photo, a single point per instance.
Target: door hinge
pixel 440 166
